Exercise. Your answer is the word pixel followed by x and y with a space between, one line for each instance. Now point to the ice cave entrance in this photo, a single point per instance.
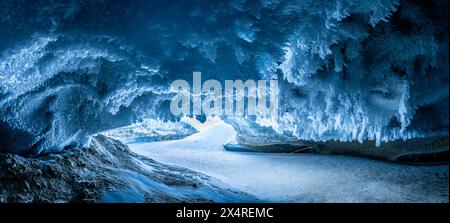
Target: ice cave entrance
pixel 210 122
pixel 212 134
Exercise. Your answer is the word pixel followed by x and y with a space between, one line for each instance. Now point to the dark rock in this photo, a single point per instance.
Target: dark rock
pixel 105 171
pixel 427 150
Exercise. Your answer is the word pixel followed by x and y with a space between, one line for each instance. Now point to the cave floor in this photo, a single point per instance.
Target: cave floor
pixel 277 177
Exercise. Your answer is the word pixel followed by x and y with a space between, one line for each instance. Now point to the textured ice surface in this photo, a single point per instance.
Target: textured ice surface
pixel 301 177
pixel 151 130
pixel 347 69
pixel 106 171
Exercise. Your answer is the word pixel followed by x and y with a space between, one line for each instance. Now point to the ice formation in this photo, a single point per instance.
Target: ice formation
pixel 150 130
pixel 347 69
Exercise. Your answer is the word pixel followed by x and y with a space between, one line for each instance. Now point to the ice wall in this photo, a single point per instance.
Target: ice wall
pixel 347 70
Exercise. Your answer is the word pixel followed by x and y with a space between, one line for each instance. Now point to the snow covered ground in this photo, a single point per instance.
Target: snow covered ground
pixel 300 177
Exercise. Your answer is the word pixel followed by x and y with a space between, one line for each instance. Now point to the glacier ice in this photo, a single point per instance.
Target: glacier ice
pixel 347 69
pixel 151 130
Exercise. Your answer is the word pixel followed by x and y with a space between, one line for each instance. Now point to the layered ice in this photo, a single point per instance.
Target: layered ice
pixel 347 69
pixel 151 130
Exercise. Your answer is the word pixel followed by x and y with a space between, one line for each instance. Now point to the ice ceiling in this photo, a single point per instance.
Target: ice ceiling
pixel 347 69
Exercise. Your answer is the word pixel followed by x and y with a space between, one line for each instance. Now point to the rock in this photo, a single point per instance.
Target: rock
pixel 104 171
pixel 431 150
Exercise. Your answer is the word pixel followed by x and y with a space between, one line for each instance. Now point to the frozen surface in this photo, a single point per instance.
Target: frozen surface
pixel 300 177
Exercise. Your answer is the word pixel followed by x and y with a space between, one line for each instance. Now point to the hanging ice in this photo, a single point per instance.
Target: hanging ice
pixel 347 69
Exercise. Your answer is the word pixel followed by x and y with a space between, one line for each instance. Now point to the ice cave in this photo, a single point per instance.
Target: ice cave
pixel 362 98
